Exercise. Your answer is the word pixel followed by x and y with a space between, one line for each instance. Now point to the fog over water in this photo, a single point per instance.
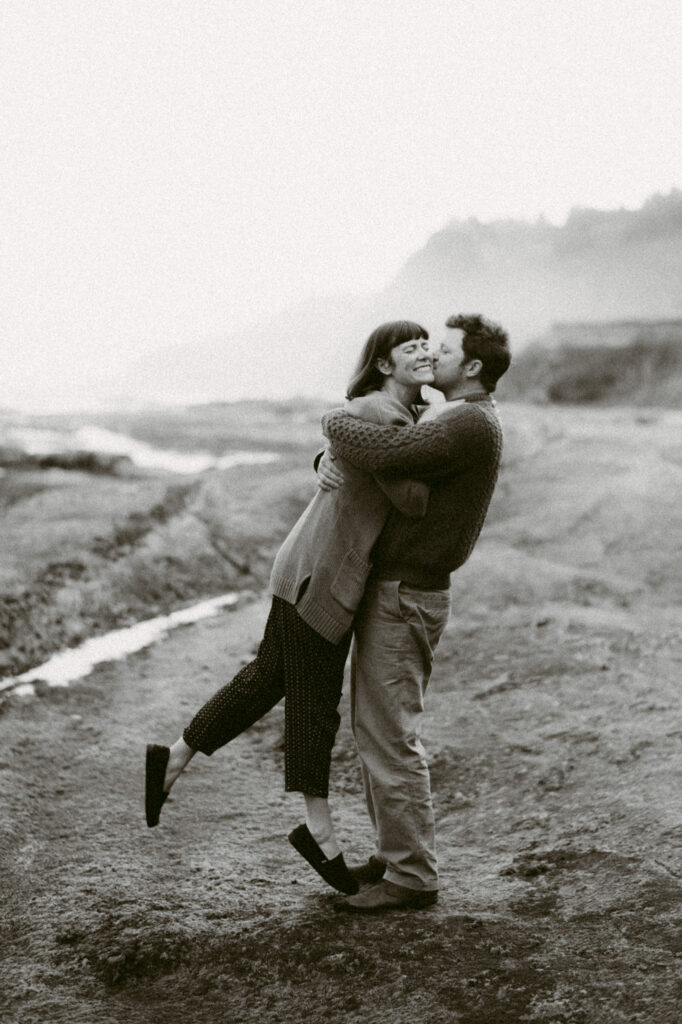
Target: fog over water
pixel 39 441
pixel 174 174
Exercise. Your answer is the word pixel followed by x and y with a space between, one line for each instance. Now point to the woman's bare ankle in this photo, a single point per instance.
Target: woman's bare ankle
pixel 320 825
pixel 180 756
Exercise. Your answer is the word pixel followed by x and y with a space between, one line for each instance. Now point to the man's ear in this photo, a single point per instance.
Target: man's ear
pixel 473 367
pixel 384 366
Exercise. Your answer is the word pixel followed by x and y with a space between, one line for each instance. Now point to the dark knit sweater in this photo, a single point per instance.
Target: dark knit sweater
pixel 459 454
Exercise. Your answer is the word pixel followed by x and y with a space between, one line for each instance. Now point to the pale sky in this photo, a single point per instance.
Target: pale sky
pixel 172 169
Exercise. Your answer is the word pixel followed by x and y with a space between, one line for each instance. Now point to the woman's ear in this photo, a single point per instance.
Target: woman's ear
pixel 384 366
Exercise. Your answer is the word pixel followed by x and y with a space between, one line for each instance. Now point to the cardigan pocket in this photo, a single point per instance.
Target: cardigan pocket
pixel 348 585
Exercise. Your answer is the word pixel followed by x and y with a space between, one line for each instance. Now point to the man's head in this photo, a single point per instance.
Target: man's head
pixel 473 355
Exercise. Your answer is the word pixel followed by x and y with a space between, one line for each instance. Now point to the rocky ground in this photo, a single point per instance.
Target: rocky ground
pixel 555 738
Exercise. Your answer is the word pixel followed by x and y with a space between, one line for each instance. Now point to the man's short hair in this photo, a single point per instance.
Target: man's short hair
pixel 485 340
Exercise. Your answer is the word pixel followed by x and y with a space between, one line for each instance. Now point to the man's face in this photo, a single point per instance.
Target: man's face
pixel 411 362
pixel 448 369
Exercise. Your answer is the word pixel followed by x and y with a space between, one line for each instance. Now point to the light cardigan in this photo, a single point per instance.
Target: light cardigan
pixel 323 565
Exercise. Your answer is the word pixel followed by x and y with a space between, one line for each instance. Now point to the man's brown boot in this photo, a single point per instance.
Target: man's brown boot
pixel 376 899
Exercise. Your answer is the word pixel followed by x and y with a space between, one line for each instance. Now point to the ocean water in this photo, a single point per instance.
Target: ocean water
pixel 39 441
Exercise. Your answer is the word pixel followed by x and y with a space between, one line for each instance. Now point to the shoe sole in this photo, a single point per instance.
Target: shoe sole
pixel 156 763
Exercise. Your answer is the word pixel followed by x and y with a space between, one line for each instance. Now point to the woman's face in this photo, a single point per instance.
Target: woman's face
pixel 410 363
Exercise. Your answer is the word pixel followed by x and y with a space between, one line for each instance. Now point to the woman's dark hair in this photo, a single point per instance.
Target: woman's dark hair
pixel 367 377
pixel 486 341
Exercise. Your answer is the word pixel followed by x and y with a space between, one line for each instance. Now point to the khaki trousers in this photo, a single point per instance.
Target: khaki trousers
pixel 396 632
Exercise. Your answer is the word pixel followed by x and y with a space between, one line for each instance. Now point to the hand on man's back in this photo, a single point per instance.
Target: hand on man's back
pixel 329 476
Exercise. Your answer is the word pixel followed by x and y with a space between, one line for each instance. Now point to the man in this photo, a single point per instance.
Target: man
pixel 407 602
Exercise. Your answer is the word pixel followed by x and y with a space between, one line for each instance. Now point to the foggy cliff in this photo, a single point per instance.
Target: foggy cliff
pixel 599 265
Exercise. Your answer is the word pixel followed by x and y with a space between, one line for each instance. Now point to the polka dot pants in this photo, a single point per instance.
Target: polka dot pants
pixel 296 663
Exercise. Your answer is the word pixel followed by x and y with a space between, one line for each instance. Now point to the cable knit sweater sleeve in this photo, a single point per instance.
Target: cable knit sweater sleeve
pixel 448 444
pixel 408 496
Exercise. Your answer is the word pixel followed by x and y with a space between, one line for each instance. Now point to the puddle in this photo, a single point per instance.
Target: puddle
pixel 76 662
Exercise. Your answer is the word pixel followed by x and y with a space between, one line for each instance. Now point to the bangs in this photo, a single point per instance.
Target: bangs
pixel 409 330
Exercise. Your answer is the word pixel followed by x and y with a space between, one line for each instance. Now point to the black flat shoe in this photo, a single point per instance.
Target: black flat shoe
pixel 334 871
pixel 370 873
pixel 155 773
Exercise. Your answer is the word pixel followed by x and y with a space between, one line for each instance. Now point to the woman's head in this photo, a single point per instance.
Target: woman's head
pixel 375 360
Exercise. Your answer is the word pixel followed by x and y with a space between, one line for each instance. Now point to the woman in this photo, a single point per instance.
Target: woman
pixel 317 581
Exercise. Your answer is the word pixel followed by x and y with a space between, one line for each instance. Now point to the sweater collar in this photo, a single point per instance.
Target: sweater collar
pixel 475 396
pixel 479 396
